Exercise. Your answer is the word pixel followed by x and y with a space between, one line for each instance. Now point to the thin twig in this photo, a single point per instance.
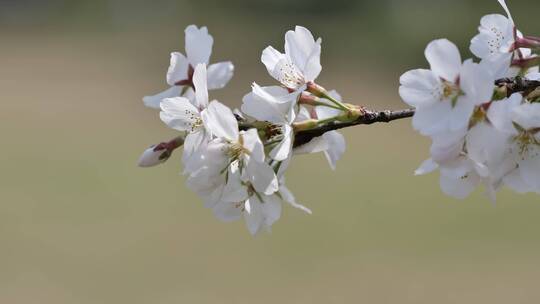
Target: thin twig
pixel 517 84
pixel 368 118
pixel 511 85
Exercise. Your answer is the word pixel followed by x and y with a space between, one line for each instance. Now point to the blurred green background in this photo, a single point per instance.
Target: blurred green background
pixel 80 223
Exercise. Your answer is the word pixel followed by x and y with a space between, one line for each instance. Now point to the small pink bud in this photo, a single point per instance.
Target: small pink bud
pixel 153 156
pixel 316 89
pixel 309 99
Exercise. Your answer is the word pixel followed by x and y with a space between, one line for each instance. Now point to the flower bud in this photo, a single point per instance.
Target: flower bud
pixel 309 99
pixel 316 90
pixel 154 156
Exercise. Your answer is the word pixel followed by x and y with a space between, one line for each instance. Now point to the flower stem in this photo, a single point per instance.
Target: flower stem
pixel 338 103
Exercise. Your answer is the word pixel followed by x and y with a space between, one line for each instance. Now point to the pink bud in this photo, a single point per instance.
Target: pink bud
pixel 153 156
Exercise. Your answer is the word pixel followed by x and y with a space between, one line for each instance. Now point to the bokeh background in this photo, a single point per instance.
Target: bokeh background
pixel 80 223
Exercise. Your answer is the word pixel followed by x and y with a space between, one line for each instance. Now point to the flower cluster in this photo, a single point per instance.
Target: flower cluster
pixel 482 117
pixel 236 160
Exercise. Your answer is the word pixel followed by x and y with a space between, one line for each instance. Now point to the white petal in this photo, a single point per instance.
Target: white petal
pixel 485 144
pixel 317 144
pixel 432 119
pixel 219 74
pixel 215 155
pixel 499 113
pixel 207 183
pixel 201 89
pixel 477 82
pixel 253 144
pixel 498 65
pixel 271 208
pixel 527 115
pixel 458 168
pixel 459 187
pixel 228 211
pixel 282 167
pixel 288 74
pixel 529 166
pixel 283 149
pixel 313 67
pixel 515 181
pixel 420 87
pixel 155 100
pixel 336 147
pixel 447 146
pixel 193 144
pixel 426 167
pixel 461 113
pixel 220 120
pixel 262 177
pixel 491 21
pixel 273 104
pixel 300 46
pixel 234 190
pixel 505 7
pixel 179 114
pixel 178 68
pixel 198 45
pixel 288 197
pixel 444 59
pixel 270 57
pixel 253 215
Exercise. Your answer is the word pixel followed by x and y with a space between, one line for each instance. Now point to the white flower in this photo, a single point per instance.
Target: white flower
pixel 459 177
pixel 445 96
pixel 198 46
pixel 259 211
pixel 495 38
pixel 521 122
pixel 496 42
pixel 181 114
pixel 301 62
pixel 277 106
pixel 485 147
pixel 235 150
pixel 469 157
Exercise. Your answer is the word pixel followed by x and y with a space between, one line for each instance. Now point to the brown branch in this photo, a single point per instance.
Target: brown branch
pixel 510 85
pixel 368 118
pixel 517 84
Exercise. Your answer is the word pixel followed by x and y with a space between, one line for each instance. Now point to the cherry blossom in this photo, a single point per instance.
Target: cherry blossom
pixel 299 64
pixel 184 115
pixel 277 106
pixel 198 44
pixel 445 96
pixel 521 122
pixel 482 118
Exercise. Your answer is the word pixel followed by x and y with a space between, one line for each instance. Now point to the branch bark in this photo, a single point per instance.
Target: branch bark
pixel 517 84
pixel 368 118
pixel 510 85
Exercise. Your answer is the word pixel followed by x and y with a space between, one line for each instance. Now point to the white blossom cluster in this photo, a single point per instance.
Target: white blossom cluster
pixel 483 117
pixel 236 160
pixel 482 133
